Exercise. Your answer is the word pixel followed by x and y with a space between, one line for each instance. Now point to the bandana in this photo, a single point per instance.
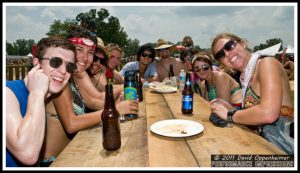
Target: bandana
pixel 83 41
pixel 246 74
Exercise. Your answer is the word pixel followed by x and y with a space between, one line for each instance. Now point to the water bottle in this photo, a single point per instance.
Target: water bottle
pixel 130 90
pixel 181 79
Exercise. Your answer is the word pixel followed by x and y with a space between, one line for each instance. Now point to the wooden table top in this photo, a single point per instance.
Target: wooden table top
pixel 142 148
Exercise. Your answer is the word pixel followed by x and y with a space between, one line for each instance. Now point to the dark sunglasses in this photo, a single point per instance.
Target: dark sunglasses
pixel 229 46
pixel 102 60
pixel 56 62
pixel 147 55
pixel 204 68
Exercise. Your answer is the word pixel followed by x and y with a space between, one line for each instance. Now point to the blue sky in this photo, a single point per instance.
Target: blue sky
pixel 147 22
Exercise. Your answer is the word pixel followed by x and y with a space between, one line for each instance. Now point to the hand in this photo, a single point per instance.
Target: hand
pixel 219 109
pixel 223 102
pixel 128 107
pixel 37 80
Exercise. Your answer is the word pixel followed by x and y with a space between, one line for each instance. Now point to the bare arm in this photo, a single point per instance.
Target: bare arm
pixel 269 79
pixel 118 78
pixel 73 123
pixel 94 99
pixel 25 135
pixel 223 85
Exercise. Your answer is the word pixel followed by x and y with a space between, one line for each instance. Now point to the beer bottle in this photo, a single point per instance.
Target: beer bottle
pixel 172 77
pixel 111 134
pixel 130 91
pixel 139 86
pixel 171 72
pixel 187 96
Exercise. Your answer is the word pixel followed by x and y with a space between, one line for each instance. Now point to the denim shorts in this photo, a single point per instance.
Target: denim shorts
pixel 279 134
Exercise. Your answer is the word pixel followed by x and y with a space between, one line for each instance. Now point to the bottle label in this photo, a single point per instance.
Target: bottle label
pixel 130 93
pixel 187 102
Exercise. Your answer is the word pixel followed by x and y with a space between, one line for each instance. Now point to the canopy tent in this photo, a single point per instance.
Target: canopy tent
pixel 289 50
pixel 29 55
pixel 271 51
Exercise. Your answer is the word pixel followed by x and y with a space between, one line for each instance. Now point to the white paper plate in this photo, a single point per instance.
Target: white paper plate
pixel 169 90
pixel 176 128
pixel 162 89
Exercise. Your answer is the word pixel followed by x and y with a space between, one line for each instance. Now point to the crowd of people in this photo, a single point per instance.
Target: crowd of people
pixel 68 81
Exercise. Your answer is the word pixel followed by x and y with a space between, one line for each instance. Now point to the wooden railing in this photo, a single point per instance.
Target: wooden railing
pixel 16 72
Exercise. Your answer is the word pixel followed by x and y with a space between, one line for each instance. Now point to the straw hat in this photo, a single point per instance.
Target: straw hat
pixel 161 44
pixel 100 45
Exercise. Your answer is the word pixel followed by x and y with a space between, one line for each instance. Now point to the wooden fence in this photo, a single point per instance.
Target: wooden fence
pixel 16 72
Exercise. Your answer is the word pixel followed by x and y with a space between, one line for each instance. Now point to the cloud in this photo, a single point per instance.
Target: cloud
pixel 147 23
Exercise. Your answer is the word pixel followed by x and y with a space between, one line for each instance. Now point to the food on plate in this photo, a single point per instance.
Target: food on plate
pixel 174 128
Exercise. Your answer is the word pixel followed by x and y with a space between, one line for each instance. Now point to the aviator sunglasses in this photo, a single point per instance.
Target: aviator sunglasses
pixel 229 46
pixel 204 67
pixel 147 55
pixel 56 62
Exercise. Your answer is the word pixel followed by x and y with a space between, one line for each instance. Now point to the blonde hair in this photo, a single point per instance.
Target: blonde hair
pixel 226 35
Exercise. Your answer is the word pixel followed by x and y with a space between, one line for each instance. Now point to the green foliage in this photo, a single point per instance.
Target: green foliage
pixel 269 43
pixel 21 47
pixel 59 28
pixel 131 47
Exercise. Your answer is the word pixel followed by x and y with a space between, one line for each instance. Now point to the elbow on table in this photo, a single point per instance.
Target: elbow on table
pixel 270 116
pixel 28 157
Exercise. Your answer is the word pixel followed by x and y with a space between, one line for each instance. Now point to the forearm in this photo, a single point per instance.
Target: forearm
pixel 30 134
pixel 256 115
pixel 118 78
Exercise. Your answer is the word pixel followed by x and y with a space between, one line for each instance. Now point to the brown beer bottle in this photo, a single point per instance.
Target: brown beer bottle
pixel 139 86
pixel 171 72
pixel 187 96
pixel 111 134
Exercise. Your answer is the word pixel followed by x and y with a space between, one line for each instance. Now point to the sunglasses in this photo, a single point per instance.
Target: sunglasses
pixel 56 62
pixel 229 46
pixel 204 68
pixel 102 59
pixel 147 55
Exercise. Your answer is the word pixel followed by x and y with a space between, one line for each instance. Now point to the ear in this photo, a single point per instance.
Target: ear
pixel 36 61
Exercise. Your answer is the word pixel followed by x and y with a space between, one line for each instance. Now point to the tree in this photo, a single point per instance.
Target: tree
pixel 59 28
pixel 100 22
pixel 131 48
pixel 110 32
pixel 20 47
pixel 269 43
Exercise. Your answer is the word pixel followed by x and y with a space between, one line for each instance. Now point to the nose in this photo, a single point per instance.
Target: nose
pixel 63 68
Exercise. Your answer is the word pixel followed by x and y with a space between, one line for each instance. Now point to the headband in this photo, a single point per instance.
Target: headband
pixel 83 41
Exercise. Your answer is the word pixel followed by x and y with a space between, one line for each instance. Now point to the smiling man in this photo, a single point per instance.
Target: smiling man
pixel 25 109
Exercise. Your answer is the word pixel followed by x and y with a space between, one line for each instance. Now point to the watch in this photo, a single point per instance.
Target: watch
pixel 230 114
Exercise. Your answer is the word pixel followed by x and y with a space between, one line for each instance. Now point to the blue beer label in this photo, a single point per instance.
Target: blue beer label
pixel 130 93
pixel 187 102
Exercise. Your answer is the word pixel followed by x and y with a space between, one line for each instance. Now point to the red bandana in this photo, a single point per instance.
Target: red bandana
pixel 83 41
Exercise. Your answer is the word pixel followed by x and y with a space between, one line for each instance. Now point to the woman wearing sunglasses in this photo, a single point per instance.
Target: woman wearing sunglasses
pixel 267 104
pixel 26 99
pixel 214 84
pixel 69 108
pixel 144 64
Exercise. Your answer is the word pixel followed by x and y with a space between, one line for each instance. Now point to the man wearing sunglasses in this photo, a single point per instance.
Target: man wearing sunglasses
pixel 164 50
pixel 144 64
pixel 25 127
